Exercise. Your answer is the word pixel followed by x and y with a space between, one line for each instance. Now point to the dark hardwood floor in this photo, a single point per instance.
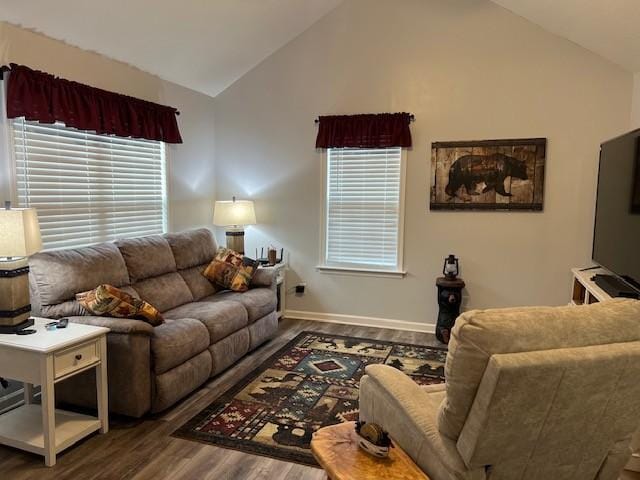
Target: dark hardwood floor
pixel 144 449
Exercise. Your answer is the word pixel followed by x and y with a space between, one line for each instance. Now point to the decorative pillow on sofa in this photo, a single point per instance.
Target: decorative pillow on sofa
pixel 109 300
pixel 231 270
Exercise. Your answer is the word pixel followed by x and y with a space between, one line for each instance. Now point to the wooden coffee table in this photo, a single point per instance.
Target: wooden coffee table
pixel 336 449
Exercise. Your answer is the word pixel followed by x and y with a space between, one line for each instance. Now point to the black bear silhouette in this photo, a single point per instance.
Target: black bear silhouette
pixel 470 170
pixel 286 435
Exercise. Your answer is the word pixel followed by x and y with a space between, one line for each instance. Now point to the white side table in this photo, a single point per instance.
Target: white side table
pixel 45 358
pixel 281 286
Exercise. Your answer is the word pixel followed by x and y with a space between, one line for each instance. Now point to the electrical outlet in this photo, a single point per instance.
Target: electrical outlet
pixel 300 288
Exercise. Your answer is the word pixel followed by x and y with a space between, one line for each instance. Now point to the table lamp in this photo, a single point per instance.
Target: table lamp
pixel 234 215
pixel 19 238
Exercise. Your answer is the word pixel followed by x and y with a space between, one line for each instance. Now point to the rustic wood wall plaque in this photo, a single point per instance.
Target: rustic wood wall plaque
pixel 488 174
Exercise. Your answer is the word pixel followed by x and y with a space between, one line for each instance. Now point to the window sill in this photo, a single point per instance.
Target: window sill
pixel 369 272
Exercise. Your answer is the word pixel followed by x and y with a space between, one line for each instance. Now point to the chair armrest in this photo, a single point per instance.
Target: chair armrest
pixel 402 393
pixel 264 277
pixel 408 412
pixel 116 325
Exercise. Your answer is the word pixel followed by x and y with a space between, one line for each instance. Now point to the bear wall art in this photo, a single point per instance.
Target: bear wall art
pixel 488 174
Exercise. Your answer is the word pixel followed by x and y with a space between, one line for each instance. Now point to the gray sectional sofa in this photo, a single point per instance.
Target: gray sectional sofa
pixel 205 330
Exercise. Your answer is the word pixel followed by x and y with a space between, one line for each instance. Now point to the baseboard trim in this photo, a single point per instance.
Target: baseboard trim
pixel 361 321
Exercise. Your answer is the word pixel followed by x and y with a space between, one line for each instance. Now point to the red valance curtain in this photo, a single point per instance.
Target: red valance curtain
pixel 373 130
pixel 45 98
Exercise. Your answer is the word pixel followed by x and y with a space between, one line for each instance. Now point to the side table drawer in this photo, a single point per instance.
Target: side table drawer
pixel 75 358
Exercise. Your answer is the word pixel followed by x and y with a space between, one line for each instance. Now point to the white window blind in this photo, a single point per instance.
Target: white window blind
pixel 89 188
pixel 363 207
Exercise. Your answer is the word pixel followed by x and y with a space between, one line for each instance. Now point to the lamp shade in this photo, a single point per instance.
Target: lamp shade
pixel 19 232
pixel 234 212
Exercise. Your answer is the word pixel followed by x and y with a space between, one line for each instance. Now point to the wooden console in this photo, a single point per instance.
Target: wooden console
pixel 584 290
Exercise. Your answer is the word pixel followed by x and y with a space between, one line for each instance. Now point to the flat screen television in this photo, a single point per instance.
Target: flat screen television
pixel 616 239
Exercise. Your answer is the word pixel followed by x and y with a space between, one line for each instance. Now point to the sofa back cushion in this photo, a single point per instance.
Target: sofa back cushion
pixel 146 264
pixel 199 285
pixel 164 291
pixel 480 334
pixel 57 276
pixel 193 250
pixel 153 271
pixel 147 257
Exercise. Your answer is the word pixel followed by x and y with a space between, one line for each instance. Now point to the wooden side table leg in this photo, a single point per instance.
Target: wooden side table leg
pixel 28 393
pixel 102 389
pixel 48 410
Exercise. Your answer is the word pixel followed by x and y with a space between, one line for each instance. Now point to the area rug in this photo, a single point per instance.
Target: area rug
pixel 310 383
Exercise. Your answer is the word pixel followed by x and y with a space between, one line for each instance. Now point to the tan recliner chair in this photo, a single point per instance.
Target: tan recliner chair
pixel 538 393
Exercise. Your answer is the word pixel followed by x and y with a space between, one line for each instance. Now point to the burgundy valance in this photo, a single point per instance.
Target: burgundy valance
pixel 372 130
pixel 45 98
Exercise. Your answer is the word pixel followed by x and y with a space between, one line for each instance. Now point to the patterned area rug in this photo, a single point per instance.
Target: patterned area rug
pixel 311 382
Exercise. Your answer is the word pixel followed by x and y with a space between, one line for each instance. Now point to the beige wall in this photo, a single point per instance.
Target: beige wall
pixel 635 108
pixel 191 181
pixel 467 70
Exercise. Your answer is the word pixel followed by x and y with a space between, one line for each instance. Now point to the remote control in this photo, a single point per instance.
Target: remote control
pixel 26 331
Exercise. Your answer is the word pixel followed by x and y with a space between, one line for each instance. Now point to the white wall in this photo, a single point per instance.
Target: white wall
pixel 467 70
pixel 635 108
pixel 191 181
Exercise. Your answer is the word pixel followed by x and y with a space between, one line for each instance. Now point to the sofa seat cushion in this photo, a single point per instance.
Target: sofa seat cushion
pixel 437 392
pixel 176 341
pixel 258 301
pixel 221 319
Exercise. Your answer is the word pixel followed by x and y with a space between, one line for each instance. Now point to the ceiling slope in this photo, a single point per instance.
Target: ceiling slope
pixel 606 27
pixel 204 45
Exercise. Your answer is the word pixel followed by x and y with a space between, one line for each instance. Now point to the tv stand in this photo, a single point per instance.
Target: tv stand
pixel 615 286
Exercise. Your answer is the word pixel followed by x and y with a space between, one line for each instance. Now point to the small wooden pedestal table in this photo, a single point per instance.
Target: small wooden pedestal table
pixel 336 449
pixel 45 358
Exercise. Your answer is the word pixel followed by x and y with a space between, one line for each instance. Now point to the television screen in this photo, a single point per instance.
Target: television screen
pixel 616 242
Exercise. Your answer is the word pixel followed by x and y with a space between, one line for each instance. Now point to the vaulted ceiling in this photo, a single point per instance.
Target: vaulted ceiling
pixel 208 44
pixel 202 44
pixel 610 28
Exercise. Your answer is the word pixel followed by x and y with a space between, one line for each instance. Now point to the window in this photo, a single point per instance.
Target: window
pixel 89 188
pixel 364 209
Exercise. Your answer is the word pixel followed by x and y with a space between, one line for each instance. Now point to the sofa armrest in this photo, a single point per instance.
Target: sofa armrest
pixel 128 370
pixel 116 325
pixel 409 413
pixel 264 277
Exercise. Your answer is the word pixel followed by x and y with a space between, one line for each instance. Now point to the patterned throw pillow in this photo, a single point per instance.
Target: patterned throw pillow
pixel 231 270
pixel 109 300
